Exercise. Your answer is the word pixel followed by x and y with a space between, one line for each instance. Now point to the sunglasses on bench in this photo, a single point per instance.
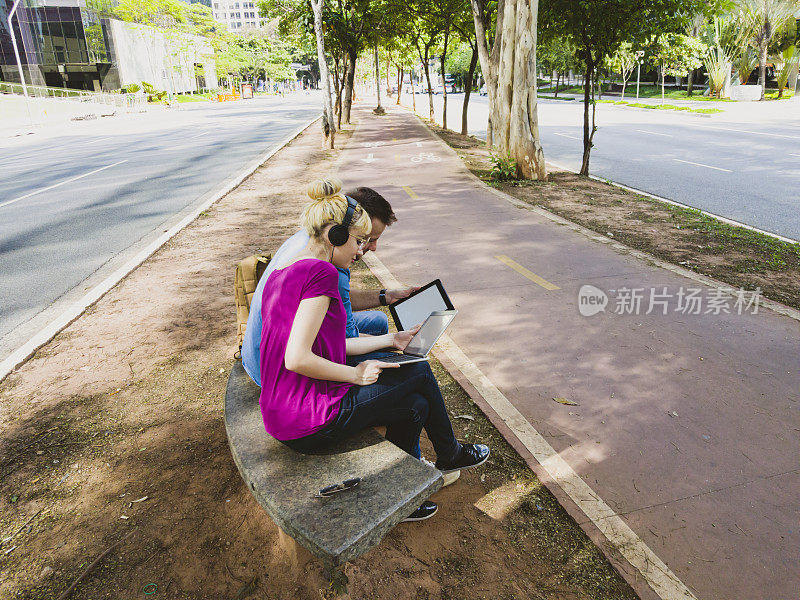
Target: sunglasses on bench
pixel 338 487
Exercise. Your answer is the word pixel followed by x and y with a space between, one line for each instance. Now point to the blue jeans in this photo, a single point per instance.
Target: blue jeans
pixel 371 322
pixel 406 400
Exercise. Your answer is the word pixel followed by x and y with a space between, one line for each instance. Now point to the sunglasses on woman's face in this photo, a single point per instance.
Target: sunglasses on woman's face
pixel 347 484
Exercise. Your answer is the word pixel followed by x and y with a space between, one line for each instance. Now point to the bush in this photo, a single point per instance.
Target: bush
pixel 504 168
pixel 132 88
pixel 153 95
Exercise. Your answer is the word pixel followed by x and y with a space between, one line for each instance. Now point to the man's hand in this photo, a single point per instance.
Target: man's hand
pixel 368 371
pixel 402 338
pixel 399 294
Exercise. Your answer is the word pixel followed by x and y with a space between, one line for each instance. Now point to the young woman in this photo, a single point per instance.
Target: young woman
pixel 310 397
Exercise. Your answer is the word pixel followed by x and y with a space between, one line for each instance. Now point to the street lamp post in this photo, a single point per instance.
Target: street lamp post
pixel 19 62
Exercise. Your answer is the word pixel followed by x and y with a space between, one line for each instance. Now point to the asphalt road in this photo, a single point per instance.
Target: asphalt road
pixel 75 200
pixel 743 164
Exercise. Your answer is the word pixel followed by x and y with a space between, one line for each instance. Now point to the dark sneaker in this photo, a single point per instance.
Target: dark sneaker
pixel 471 455
pixel 426 510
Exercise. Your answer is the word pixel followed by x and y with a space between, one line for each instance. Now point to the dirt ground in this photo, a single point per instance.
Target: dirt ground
pixel 686 237
pixel 113 433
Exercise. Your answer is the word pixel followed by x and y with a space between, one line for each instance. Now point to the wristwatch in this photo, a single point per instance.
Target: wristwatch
pixel 382 298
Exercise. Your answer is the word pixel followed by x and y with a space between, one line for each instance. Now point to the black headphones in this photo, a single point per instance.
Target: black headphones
pixel 339 234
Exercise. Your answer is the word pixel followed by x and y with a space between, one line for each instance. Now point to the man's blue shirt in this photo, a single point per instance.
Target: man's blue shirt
pixel 251 346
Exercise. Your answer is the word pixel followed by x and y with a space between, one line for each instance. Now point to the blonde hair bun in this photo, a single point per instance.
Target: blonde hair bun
pixel 324 188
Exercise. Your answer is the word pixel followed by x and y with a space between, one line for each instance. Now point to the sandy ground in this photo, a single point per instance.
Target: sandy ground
pixel 113 432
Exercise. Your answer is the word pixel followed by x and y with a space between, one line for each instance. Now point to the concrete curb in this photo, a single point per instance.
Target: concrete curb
pixel 76 309
pixel 772 305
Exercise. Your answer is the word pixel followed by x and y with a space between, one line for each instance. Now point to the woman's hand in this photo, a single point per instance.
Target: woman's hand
pixel 402 338
pixel 368 371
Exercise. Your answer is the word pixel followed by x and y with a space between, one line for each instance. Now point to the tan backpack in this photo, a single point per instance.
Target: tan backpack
pixel 248 272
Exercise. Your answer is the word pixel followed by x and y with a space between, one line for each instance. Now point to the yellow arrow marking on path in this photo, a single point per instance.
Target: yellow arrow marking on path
pixel 526 273
pixel 410 192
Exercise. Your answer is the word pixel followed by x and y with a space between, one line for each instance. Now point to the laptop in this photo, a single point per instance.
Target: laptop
pixel 421 344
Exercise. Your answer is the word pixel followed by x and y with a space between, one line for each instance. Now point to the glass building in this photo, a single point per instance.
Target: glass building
pixel 62 43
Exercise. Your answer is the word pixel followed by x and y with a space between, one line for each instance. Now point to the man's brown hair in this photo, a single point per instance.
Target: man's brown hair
pixel 376 205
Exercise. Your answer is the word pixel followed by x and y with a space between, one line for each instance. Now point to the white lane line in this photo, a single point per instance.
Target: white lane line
pixel 66 181
pixel 572 137
pixel 199 134
pixel 100 140
pixel 798 155
pixel 657 574
pixel 654 133
pixel 764 133
pixel 688 162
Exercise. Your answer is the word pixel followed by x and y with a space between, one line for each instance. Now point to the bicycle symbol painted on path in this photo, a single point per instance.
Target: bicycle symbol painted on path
pixel 425 156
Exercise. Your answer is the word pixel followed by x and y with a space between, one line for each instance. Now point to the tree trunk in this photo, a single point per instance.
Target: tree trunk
pixel 413 93
pixel 690 83
pixel 426 67
pixel 328 126
pixel 587 99
pixel 792 83
pixel 350 78
pixel 489 61
pixel 400 76
pixel 473 63
pixel 337 105
pixel 558 79
pixel 378 79
pixel 341 93
pixel 443 58
pixel 511 76
pixel 762 68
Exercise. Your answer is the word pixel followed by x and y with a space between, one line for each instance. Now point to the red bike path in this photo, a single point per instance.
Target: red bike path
pixel 685 428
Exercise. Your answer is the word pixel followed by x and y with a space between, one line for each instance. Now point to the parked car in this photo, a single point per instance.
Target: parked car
pixel 450 86
pixel 482 91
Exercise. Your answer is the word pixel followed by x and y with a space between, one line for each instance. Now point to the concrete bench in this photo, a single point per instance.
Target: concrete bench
pixel 341 527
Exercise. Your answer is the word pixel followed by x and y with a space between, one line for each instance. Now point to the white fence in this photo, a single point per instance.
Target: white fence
pixel 127 102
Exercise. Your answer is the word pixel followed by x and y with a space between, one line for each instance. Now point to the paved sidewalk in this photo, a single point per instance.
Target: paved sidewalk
pixel 685 425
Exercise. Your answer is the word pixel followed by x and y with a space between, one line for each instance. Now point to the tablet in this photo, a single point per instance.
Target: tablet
pixel 419 305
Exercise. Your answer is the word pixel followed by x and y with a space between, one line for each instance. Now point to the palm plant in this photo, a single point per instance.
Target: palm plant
pixel 791 57
pixel 766 17
pixel 718 65
pixel 717 58
pixel 745 62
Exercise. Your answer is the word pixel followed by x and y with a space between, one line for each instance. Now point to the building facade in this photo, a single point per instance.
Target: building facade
pixel 238 15
pixel 65 44
pixel 61 44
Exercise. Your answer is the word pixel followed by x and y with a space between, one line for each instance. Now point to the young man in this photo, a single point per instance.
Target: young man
pixel 359 323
